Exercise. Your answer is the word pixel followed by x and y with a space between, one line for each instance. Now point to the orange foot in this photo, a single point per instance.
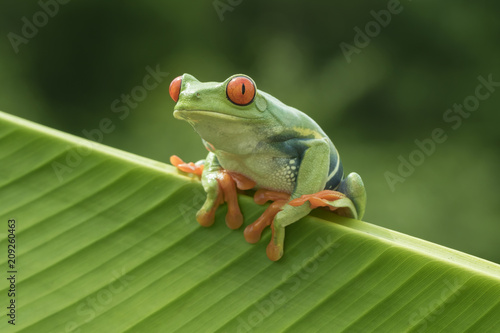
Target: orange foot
pixel 228 185
pixel 319 199
pixel 186 167
pixel 253 232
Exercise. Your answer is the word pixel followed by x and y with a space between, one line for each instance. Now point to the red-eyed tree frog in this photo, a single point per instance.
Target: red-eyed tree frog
pixel 257 142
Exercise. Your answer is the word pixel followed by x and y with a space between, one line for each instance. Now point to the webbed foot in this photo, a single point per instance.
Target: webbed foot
pixel 333 200
pixel 225 192
pixel 220 187
pixel 194 168
pixel 253 232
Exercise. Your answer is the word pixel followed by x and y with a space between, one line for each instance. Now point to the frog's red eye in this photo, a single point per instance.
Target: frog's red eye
pixel 240 90
pixel 175 88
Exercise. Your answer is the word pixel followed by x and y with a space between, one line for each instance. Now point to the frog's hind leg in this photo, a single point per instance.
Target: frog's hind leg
pixel 333 200
pixel 349 200
pixel 352 186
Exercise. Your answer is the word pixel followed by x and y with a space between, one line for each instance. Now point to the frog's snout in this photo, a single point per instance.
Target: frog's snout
pixel 190 96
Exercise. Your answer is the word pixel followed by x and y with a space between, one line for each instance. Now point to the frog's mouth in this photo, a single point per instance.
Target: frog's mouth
pixel 197 115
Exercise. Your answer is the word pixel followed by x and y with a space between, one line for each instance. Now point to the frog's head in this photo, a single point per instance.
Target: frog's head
pixel 221 111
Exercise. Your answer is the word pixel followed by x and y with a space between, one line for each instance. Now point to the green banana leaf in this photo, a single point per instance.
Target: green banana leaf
pixel 106 241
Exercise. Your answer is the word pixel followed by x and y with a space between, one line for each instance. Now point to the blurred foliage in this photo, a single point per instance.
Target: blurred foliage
pixel 394 91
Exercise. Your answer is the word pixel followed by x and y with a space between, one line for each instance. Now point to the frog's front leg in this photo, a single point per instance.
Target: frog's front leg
pixel 220 187
pixel 311 178
pixel 254 231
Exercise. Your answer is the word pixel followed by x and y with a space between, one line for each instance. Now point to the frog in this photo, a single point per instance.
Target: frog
pixel 257 143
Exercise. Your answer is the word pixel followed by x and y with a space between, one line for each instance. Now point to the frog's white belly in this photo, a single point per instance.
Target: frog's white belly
pixel 278 173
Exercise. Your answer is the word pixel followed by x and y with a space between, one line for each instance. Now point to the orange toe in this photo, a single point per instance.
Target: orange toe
pixel 253 231
pixel 176 160
pixel 234 219
pixel 206 219
pixel 186 167
pixel 273 252
pixel 319 199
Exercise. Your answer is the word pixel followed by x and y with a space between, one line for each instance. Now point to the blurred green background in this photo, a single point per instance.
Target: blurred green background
pixel 373 104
